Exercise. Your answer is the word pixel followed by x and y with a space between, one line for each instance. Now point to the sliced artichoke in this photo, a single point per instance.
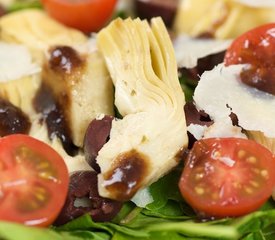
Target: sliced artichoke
pixel 40 132
pixel 37 31
pixel 220 18
pixel 145 144
pixel 81 85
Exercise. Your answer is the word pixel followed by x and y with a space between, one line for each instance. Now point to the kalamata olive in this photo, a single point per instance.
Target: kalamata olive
pixel 96 136
pixel 204 64
pixel 12 119
pixel 83 198
pixel 146 9
pixel 193 116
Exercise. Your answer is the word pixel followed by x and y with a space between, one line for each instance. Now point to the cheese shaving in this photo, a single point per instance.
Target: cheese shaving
pixel 189 50
pixel 221 92
pixel 15 62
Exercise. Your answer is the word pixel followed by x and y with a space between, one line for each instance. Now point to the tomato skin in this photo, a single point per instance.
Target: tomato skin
pixel 85 15
pixel 256 47
pixel 227 177
pixel 33 181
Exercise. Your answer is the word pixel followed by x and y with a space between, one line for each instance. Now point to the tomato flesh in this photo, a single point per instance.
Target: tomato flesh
pixel 227 177
pixel 257 48
pixel 33 181
pixel 85 15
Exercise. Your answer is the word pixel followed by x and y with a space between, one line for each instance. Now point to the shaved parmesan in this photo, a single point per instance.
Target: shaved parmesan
pixel 196 130
pixel 220 92
pixel 189 50
pixel 223 128
pixel 142 198
pixel 15 62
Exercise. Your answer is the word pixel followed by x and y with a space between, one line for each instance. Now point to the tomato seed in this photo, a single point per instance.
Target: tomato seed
pixel 264 174
pixel 251 159
pixel 217 154
pixel 199 176
pixel 248 190
pixel 236 185
pixel 199 191
pixel 40 197
pixel 254 184
pixel 241 153
pixel 43 165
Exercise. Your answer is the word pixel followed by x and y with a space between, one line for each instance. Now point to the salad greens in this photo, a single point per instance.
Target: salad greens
pixel 23 4
pixel 168 216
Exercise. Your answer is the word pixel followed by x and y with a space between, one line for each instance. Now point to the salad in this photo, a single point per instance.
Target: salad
pixel 121 128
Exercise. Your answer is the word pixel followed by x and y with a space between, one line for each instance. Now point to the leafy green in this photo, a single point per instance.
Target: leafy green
pixel 188 86
pixel 14 231
pixel 24 4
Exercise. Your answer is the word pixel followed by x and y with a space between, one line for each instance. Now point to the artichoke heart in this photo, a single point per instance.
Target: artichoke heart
pixel 81 85
pixel 221 19
pixel 146 143
pixel 36 30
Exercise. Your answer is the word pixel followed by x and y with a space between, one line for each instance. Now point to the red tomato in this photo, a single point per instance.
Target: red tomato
pixel 256 47
pixel 33 181
pixel 85 15
pixel 227 177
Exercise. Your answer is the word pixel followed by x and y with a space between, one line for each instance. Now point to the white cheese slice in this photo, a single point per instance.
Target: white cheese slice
pixel 221 92
pixel 223 128
pixel 196 130
pixel 15 62
pixel 189 50
pixel 258 3
pixel 142 198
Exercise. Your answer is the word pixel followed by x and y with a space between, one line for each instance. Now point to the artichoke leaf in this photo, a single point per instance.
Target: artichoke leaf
pixel 222 19
pixel 145 144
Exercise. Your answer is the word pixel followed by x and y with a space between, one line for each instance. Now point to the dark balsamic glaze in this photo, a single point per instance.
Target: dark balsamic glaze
pixel 52 104
pixel 52 113
pixel 126 177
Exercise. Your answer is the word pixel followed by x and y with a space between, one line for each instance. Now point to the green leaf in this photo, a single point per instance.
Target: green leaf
pixel 84 222
pixel 126 213
pixel 172 210
pixel 89 235
pixel 153 236
pixel 199 230
pixel 164 189
pixel 14 231
pixel 255 221
pixel 23 4
pixel 188 86
pixel 269 205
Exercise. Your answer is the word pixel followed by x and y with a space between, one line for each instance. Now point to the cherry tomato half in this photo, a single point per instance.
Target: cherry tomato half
pixel 85 15
pixel 33 181
pixel 257 48
pixel 227 177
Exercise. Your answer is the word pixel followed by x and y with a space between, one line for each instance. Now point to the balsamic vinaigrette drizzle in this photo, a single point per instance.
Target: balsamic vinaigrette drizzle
pixel 63 61
pixel 127 174
pixel 53 115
